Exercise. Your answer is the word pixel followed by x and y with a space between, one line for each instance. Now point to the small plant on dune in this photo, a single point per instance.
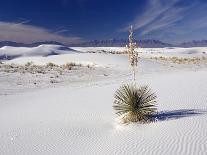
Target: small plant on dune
pixel 135 104
pixel 51 65
pixel 29 63
pixel 68 66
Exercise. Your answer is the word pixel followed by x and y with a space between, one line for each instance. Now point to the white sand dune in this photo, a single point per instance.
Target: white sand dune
pixel 80 58
pixel 79 119
pixel 171 52
pixel 150 52
pixel 42 50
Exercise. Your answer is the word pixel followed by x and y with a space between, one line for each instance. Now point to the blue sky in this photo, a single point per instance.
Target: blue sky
pixel 71 21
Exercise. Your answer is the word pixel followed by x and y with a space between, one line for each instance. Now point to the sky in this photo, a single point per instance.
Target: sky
pixel 75 21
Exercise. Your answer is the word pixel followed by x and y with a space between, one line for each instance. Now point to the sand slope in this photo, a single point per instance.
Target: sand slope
pixel 59 121
pixel 80 120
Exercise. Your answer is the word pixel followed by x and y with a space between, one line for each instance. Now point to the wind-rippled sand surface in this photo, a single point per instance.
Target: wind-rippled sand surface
pixel 78 118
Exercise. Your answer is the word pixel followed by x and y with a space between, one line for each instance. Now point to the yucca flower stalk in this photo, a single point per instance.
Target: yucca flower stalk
pixel 132 54
pixel 135 104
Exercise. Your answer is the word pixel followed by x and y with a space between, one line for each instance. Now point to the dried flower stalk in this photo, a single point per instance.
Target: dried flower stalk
pixel 132 54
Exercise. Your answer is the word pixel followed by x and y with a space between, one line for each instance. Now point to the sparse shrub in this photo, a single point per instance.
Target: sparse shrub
pixel 60 72
pixel 177 60
pixel 50 64
pixel 10 66
pixel 29 63
pixel 74 64
pixel 134 104
pixel 53 81
pixel 68 66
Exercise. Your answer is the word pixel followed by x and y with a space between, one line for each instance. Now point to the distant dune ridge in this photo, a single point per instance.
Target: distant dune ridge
pixel 35 44
pixel 10 52
pixel 148 43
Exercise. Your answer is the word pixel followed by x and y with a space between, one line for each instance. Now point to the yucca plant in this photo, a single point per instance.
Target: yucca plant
pixel 135 104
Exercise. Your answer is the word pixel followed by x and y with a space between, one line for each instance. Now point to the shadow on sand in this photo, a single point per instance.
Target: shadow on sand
pixel 177 114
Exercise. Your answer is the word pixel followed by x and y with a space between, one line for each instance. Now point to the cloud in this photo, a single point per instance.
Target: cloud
pixel 23 32
pixel 166 19
pixel 152 11
pixel 192 24
pixel 161 19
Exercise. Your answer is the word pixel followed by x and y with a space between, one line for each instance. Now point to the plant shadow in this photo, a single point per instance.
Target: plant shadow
pixel 176 114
